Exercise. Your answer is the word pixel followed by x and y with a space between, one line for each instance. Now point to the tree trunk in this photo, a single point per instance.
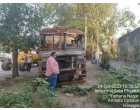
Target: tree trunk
pixel 15 63
pixel 85 32
pixel 98 49
pixel 92 47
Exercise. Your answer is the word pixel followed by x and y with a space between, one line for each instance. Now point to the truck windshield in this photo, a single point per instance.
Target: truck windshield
pixel 74 42
pixel 52 42
pixel 59 42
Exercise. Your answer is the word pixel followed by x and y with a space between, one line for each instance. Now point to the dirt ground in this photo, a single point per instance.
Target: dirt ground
pixel 71 100
pixel 86 101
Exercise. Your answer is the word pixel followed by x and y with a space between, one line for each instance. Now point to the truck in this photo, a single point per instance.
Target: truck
pixel 7 63
pixel 71 55
pixel 4 56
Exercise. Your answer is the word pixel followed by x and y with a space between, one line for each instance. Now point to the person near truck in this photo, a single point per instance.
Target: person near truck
pixel 29 63
pixel 52 69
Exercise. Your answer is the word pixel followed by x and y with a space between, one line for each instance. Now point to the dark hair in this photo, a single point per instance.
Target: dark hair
pixel 53 53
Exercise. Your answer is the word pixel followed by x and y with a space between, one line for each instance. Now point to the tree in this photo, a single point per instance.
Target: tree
pixel 90 18
pixel 127 20
pixel 121 20
pixel 19 24
pixel 102 21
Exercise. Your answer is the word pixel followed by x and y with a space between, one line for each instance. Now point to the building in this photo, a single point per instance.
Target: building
pixel 128 46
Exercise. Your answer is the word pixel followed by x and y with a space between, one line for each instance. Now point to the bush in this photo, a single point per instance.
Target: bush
pixel 43 97
pixel 105 60
pixel 125 76
pixel 77 90
pixel 10 99
pixel 47 97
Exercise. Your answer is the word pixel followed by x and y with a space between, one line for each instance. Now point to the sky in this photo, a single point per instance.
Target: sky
pixel 134 7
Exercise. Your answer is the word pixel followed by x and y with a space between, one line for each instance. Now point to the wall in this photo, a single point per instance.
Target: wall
pixel 129 46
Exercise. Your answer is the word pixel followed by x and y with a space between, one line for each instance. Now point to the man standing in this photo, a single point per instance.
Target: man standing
pixel 52 69
pixel 29 63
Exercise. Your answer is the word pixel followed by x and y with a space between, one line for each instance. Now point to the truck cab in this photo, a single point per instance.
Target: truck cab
pixel 71 54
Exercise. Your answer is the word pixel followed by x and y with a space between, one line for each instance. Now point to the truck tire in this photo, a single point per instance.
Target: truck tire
pixel 23 66
pixel 7 65
pixel 2 65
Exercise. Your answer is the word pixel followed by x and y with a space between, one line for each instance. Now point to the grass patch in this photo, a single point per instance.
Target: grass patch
pixel 114 83
pixel 77 90
pixel 20 94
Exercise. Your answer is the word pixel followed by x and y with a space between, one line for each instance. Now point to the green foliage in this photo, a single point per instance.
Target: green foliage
pixel 105 60
pixel 10 99
pixel 128 75
pixel 43 97
pixel 77 90
pixel 20 24
pixel 71 89
pixel 41 81
pixel 124 53
pixel 109 78
pixel 127 19
pixel 103 97
pixel 103 20
pixel 136 55
pixel 124 76
pixel 47 97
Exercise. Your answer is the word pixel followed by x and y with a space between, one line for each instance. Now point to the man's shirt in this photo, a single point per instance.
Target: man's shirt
pixel 51 66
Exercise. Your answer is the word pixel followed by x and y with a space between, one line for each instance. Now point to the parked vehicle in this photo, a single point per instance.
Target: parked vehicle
pixel 4 56
pixel 71 54
pixel 7 64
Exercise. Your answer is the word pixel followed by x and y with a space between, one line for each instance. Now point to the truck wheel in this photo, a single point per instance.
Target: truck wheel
pixel 23 66
pixel 7 65
pixel 2 65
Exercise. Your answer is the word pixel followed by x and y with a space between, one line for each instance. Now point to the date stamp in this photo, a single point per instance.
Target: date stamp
pixel 128 95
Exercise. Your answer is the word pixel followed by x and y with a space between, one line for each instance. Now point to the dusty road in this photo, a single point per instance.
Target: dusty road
pixel 5 74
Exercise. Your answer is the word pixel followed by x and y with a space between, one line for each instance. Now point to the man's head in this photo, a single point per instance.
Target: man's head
pixel 53 54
